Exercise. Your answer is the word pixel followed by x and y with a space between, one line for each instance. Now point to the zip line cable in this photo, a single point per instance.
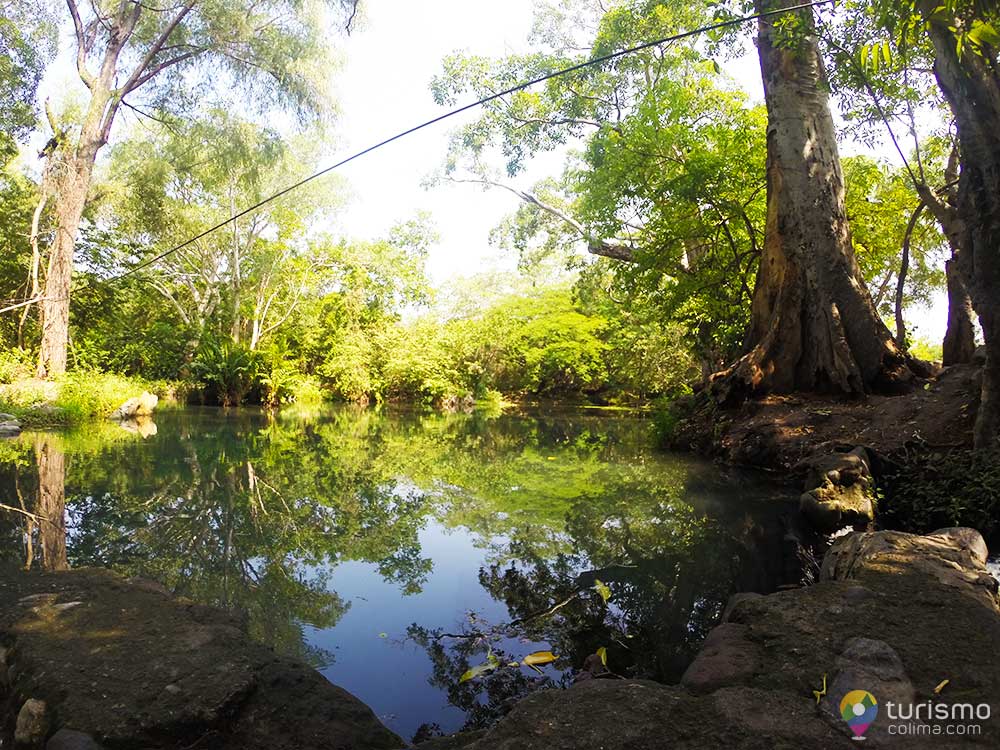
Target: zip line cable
pixel 465 108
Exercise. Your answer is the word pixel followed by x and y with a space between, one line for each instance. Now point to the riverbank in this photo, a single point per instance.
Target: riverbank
pixel 77 397
pixel 903 461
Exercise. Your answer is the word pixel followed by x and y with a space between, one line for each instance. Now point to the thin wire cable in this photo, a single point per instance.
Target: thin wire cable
pixel 465 108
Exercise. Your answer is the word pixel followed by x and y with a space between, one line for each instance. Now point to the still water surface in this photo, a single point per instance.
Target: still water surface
pixel 394 551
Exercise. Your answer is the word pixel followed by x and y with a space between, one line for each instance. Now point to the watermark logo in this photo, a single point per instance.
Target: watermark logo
pixel 859 709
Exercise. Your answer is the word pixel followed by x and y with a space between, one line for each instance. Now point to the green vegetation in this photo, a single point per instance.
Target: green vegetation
pixel 75 397
pixel 664 251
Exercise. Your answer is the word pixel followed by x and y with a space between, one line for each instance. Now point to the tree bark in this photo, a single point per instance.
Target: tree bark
pixel 971 84
pixel 960 338
pixel 813 324
pixel 70 197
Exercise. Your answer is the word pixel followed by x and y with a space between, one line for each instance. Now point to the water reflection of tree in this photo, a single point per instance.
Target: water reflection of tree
pixel 253 514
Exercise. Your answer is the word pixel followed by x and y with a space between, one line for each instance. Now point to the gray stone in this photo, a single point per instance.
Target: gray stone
pixel 872 665
pixel 70 739
pixel 10 428
pixel 32 724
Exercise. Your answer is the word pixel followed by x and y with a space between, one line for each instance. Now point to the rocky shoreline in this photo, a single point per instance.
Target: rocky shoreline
pixel 90 661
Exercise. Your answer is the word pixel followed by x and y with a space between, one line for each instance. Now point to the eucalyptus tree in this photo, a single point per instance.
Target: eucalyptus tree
pixel 134 54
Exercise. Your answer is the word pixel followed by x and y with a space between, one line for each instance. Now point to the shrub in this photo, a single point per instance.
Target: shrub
pixel 936 490
pixel 228 372
pixel 15 364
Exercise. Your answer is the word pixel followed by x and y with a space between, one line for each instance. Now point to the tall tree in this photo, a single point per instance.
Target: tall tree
pixel 813 324
pixel 966 38
pixel 130 49
pixel 882 84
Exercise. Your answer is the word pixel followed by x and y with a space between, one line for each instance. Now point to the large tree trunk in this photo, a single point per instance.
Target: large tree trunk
pixel 813 324
pixel 960 338
pixel 971 83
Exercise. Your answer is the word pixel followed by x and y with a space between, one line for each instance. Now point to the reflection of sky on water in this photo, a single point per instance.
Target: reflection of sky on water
pixel 338 532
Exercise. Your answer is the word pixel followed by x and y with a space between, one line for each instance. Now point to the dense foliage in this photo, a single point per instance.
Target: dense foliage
pixel 663 183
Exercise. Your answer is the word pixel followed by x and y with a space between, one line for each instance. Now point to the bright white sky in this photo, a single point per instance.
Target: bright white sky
pixel 383 89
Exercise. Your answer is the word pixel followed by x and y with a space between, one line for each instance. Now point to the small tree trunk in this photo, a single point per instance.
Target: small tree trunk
pixel 971 84
pixel 813 324
pixel 960 338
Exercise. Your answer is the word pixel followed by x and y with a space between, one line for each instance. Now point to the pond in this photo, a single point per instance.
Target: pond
pixel 395 551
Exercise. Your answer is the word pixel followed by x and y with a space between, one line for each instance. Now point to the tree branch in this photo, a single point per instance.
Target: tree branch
pixel 595 246
pixel 81 45
pixel 154 50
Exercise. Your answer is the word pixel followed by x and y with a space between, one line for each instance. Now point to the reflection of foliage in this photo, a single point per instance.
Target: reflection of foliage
pixel 254 513
pixel 489 697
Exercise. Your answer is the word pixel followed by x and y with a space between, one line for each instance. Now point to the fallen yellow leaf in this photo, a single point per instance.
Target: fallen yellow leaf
pixel 539 657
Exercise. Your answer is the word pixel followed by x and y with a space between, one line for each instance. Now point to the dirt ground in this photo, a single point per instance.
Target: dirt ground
pixel 778 433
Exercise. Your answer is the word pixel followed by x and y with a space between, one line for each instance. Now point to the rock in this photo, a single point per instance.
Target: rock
pixel 954 557
pixel 142 405
pixel 136 668
pixel 32 724
pixel 736 600
pixel 70 739
pixel 967 539
pixel 10 428
pixel 839 491
pixel 979 356
pixel 871 665
pixel 727 658
pixel 7 418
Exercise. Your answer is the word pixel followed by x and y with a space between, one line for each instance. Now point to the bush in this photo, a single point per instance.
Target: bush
pixel 16 364
pixel 228 372
pixel 936 490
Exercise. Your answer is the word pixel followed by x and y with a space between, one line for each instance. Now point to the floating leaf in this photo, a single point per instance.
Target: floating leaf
pixel 602 588
pixel 383 635
pixel 477 671
pixel 603 654
pixel 539 657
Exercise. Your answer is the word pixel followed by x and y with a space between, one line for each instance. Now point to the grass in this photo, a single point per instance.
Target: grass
pixel 74 398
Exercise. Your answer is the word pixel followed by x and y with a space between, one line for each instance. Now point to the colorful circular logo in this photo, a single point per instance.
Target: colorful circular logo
pixel 859 709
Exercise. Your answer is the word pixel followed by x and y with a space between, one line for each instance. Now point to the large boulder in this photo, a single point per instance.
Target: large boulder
pixel 124 665
pixel 142 405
